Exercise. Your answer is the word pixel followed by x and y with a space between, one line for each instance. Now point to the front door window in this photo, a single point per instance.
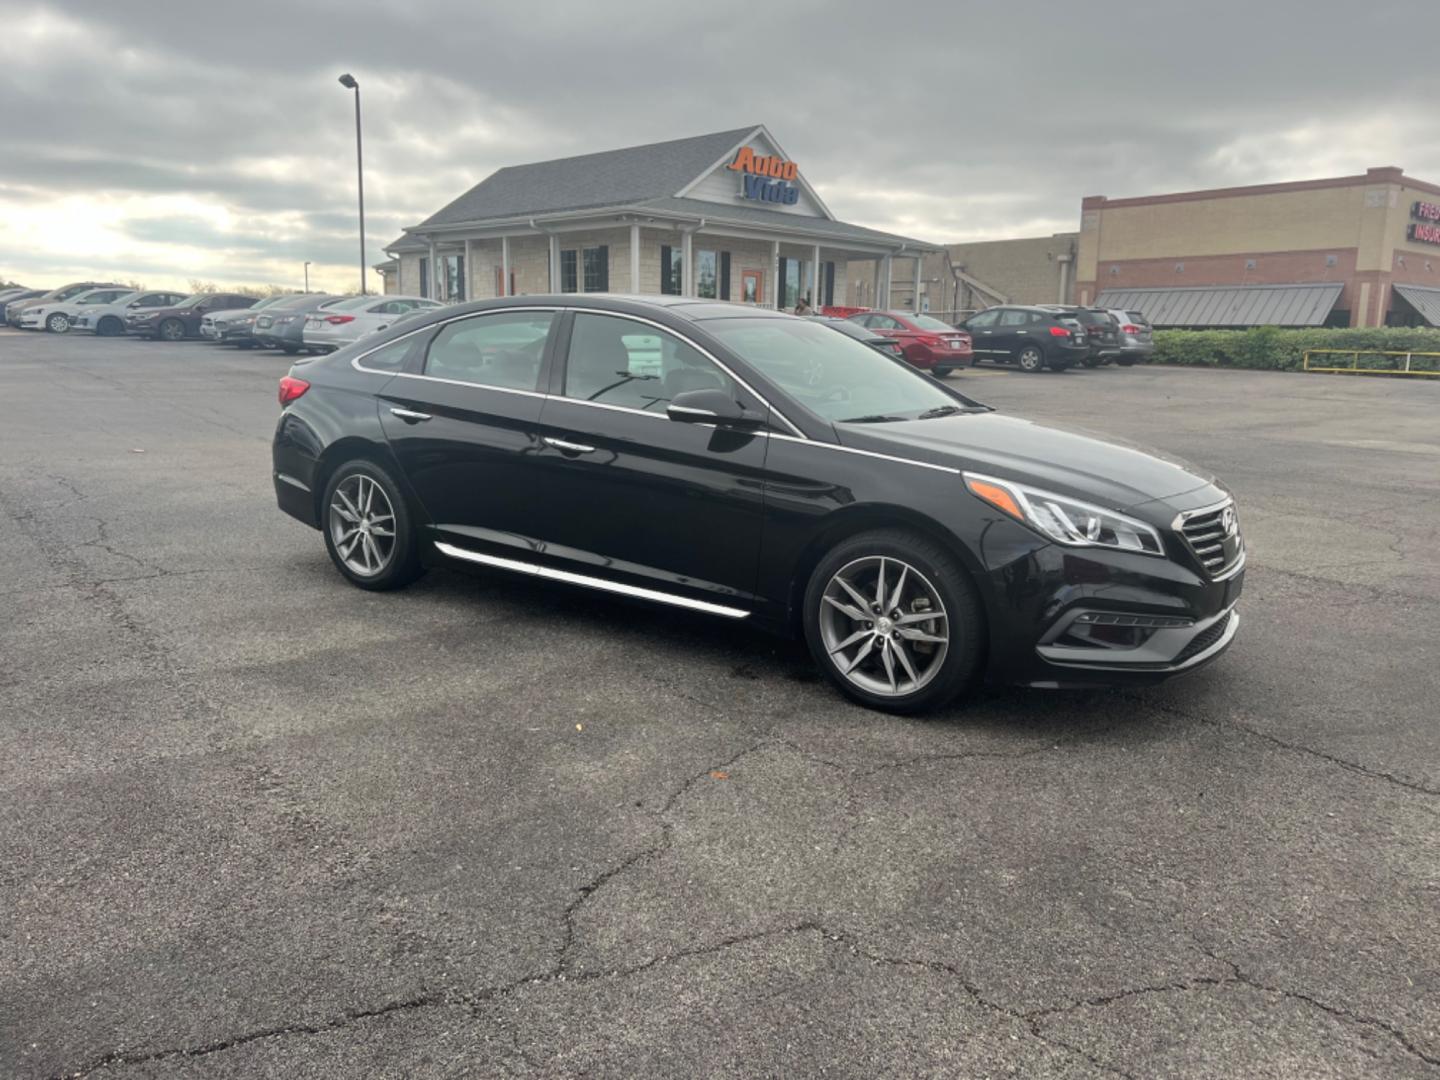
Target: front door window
pixel 633 365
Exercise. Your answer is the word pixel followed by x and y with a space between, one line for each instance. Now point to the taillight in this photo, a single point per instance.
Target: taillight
pixel 291 388
pixel 336 320
pixel 930 340
pixel 1059 331
pixel 1128 329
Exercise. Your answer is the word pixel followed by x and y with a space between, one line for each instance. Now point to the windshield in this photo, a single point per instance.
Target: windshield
pixel 926 322
pixel 191 301
pixel 833 376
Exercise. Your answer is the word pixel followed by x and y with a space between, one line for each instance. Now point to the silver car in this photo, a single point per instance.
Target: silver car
pixel 57 315
pixel 346 322
pixel 1137 342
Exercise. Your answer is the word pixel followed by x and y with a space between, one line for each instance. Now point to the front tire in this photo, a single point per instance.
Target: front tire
pixel 1031 358
pixel 172 330
pixel 57 324
pixel 368 529
pixel 893 620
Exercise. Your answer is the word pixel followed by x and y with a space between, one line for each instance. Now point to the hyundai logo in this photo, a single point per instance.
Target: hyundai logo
pixel 1228 521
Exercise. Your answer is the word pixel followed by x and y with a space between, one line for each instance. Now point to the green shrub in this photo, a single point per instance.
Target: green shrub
pixel 1276 349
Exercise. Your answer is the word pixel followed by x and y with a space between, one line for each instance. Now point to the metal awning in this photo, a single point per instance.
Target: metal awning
pixel 1425 301
pixel 1230 305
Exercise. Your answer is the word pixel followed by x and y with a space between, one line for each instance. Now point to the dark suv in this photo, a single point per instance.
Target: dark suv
pixel 183 320
pixel 1102 331
pixel 1032 337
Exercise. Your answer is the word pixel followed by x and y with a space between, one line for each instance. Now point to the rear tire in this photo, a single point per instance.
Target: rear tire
pixel 291 350
pixel 368 529
pixel 1092 362
pixel 109 326
pixel 1031 358
pixel 940 654
pixel 1125 363
pixel 171 330
pixel 941 373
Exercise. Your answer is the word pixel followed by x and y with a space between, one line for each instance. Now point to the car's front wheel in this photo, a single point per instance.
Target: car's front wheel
pixel 893 621
pixel 368 530
pixel 57 323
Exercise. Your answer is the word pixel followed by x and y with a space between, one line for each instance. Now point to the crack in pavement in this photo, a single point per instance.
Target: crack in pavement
pixel 1236 725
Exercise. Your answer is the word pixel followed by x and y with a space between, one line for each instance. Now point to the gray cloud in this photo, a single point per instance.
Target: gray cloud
pixel 946 120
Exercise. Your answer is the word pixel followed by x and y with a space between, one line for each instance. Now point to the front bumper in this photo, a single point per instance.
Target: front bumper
pixel 31 322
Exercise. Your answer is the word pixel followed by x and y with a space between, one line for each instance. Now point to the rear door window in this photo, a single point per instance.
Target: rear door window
pixel 1015 318
pixel 500 349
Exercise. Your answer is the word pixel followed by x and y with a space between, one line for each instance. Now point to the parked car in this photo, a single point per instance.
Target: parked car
pixel 284 326
pixel 183 320
pixel 17 297
pixel 57 316
pixel 1102 331
pixel 1137 339
pixel 108 320
pixel 64 292
pixel 345 322
pixel 876 340
pixel 916 539
pixel 925 341
pixel 1030 337
pixel 236 325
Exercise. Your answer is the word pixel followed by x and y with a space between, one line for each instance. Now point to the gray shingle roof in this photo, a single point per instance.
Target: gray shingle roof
pixel 1228 305
pixel 406 243
pixel 610 178
pixel 821 228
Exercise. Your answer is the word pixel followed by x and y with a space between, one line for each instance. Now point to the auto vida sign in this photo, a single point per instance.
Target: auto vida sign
pixel 766 179
pixel 1426 228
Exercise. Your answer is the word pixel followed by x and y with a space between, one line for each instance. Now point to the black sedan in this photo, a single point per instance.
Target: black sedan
pixel 754 466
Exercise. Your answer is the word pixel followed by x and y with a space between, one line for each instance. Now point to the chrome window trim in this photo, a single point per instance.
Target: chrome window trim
pixel 355 360
pixel 698 348
pixel 869 453
pixel 602 584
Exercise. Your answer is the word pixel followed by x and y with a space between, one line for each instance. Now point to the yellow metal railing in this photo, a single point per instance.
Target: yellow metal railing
pixel 1389 363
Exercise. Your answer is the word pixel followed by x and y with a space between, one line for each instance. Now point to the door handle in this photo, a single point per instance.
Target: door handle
pixel 410 417
pixel 568 447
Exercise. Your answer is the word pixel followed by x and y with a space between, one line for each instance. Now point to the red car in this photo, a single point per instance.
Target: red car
pixel 926 342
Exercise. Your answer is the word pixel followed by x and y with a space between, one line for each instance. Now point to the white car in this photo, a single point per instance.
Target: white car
pixel 108 320
pixel 342 323
pixel 56 315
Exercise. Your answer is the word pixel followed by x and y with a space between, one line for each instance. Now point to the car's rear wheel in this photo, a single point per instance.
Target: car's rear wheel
pixel 1031 358
pixel 109 326
pixel 172 330
pixel 1092 362
pixel 291 350
pixel 368 530
pixel 1126 363
pixel 942 372
pixel 893 621
pixel 57 323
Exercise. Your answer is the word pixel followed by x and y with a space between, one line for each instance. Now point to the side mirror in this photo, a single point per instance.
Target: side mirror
pixel 710 407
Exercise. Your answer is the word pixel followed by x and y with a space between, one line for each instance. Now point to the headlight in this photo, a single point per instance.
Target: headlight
pixel 1065 520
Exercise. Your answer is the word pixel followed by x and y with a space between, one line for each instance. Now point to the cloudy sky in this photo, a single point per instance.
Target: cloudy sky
pixel 170 140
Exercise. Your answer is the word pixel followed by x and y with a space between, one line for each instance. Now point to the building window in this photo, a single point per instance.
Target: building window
pixel 724 275
pixel 569 281
pixel 425 276
pixel 787 285
pixel 596 261
pixel 828 292
pixel 453 267
pixel 671 273
pixel 707 275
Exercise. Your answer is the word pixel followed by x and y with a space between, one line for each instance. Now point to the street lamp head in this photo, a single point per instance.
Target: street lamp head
pixel 348 81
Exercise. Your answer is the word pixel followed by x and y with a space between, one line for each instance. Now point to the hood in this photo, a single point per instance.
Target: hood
pixel 1068 461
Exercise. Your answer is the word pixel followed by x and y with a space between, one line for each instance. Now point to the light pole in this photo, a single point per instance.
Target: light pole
pixel 348 81
pixel 307 275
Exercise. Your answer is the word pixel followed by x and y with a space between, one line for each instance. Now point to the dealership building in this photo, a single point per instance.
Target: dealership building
pixel 726 216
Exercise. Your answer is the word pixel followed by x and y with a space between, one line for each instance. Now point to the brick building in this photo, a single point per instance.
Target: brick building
pixel 727 216
pixel 1346 251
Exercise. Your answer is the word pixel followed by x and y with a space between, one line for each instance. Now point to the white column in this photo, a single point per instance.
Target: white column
pixel 818 290
pixel 555 283
pixel 916 303
pixel 887 276
pixel 635 259
pixel 775 274
pixel 687 264
pixel 467 278
pixel 504 266
pixel 433 293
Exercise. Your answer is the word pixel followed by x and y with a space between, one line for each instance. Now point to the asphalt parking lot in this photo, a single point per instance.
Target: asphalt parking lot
pixel 260 823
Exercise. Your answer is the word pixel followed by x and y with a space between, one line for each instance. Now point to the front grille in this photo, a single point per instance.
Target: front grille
pixel 1213 543
pixel 1203 640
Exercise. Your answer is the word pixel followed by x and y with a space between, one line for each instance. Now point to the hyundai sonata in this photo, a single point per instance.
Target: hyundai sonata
pixel 759 467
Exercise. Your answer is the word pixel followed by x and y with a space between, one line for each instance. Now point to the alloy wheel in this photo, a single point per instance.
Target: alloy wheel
pixel 1030 359
pixel 172 330
pixel 362 525
pixel 884 626
pixel 57 323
